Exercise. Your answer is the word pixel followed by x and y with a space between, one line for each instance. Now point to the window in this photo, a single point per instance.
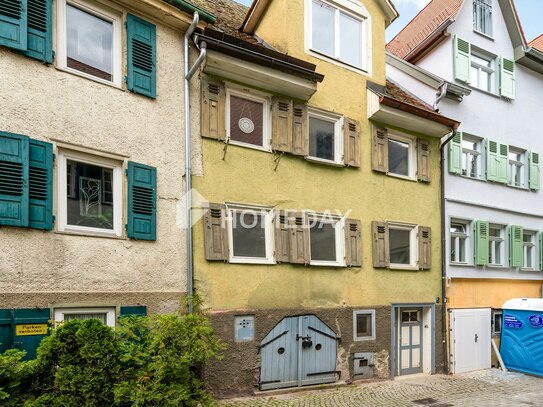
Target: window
pixel 251 234
pixel 410 316
pixel 244 327
pixel 495 245
pixel 517 167
pixel 326 240
pixel 497 320
pixel 528 250
pixel 459 238
pixel 89 40
pixel 402 245
pixel 483 68
pixel 401 156
pixel 364 325
pixel 247 119
pixel 106 315
pixel 325 137
pixel 471 156
pixel 482 16
pixel 89 194
pixel 337 33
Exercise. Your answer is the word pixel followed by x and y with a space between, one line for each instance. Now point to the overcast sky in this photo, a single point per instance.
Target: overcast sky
pixel 530 12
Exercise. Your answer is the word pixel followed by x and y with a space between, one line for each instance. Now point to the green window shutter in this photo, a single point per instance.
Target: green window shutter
pixel 40 175
pixel 534 171
pixel 13 179
pixel 40 30
pixel 29 316
pixel 455 154
pixel 13 24
pixel 503 165
pixel 134 310
pixel 462 60
pixel 141 51
pixel 141 201
pixel 507 78
pixel 492 161
pixel 515 246
pixel 481 243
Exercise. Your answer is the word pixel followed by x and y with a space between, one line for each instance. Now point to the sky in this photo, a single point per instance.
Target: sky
pixel 530 13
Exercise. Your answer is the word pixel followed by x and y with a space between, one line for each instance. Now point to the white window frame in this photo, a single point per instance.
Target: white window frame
pixel 494 313
pixel 531 245
pixel 492 70
pixel 269 233
pixel 475 15
pixel 256 96
pixel 413 245
pixel 338 135
pixel 522 164
pixel 459 239
pixel 411 152
pixel 99 11
pixel 339 224
pixel 354 10
pixel 109 311
pixel 370 312
pixel 493 242
pixel 478 154
pixel 116 167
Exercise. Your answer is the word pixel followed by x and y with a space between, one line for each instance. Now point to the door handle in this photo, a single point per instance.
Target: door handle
pixel 476 337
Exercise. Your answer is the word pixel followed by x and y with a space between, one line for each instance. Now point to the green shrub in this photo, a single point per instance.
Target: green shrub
pixel 15 375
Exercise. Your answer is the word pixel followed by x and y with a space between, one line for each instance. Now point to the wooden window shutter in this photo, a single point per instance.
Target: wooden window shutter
pixel 425 248
pixel 40 185
pixel 481 243
pixel 351 132
pixel 492 161
pixel 141 202
pixel 534 171
pixel 516 249
pixel 507 78
pixel 380 244
pixel 213 101
pixel 300 131
pixel 353 243
pixel 423 160
pixel 14 24
pixel 462 60
pixel 141 51
pixel 299 239
pixel 379 154
pixel 282 125
pixel 216 233
pixel 455 154
pixel 282 237
pixel 14 191
pixel 133 311
pixel 40 30
pixel 503 164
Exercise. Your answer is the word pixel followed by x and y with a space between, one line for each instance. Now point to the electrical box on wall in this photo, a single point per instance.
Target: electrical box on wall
pixel 244 326
pixel 363 365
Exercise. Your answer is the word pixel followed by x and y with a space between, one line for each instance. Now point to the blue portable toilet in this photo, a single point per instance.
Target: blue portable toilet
pixel 522 335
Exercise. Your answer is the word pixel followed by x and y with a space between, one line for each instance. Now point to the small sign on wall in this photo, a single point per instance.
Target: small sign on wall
pixel 30 329
pixel 244 328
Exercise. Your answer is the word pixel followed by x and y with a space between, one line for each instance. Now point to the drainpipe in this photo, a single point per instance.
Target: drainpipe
pixel 443 93
pixel 188 73
pixel 444 254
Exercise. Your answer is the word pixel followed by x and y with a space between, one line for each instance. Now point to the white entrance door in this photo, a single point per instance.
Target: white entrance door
pixel 470 339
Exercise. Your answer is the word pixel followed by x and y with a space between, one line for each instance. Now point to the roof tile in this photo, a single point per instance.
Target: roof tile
pixel 537 43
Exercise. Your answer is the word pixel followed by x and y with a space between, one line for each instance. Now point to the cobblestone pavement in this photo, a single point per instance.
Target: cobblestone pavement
pixel 476 389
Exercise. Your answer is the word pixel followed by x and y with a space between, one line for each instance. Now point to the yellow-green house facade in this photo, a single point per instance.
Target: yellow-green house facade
pixel 319 252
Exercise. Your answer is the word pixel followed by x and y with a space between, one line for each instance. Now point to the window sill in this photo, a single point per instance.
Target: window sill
pixel 364 339
pixel 247 145
pixel 402 267
pixel 452 263
pixel 497 96
pixel 337 61
pixel 251 261
pixel 89 77
pixel 482 34
pixel 326 264
pixel 529 269
pixel 323 161
pixel 497 266
pixel 518 187
pixel 391 174
pixel 90 234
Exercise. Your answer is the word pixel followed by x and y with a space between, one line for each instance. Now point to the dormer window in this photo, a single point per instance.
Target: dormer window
pixel 482 16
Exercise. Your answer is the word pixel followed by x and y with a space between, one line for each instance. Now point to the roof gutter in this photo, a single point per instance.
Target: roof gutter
pixel 253 16
pixel 191 9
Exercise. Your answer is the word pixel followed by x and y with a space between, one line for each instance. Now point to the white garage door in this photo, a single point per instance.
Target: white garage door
pixel 470 339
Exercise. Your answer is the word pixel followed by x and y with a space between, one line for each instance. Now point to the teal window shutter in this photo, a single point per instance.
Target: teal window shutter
pixel 13 179
pixel 455 154
pixel 481 243
pixel 135 310
pixel 40 30
pixel 14 23
pixel 141 49
pixel 515 246
pixel 507 78
pixel 141 201
pixel 503 164
pixel 40 185
pixel 534 171
pixel 462 59
pixel 492 161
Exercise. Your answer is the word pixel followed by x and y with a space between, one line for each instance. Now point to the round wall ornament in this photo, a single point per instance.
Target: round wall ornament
pixel 246 125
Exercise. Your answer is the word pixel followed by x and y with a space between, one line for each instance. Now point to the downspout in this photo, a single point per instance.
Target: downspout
pixel 444 255
pixel 443 93
pixel 188 73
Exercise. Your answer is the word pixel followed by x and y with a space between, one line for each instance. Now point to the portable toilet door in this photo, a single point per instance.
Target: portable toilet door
pixel 522 335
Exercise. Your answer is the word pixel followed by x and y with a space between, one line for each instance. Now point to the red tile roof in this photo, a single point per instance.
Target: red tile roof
pixel 422 26
pixel 396 92
pixel 537 43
